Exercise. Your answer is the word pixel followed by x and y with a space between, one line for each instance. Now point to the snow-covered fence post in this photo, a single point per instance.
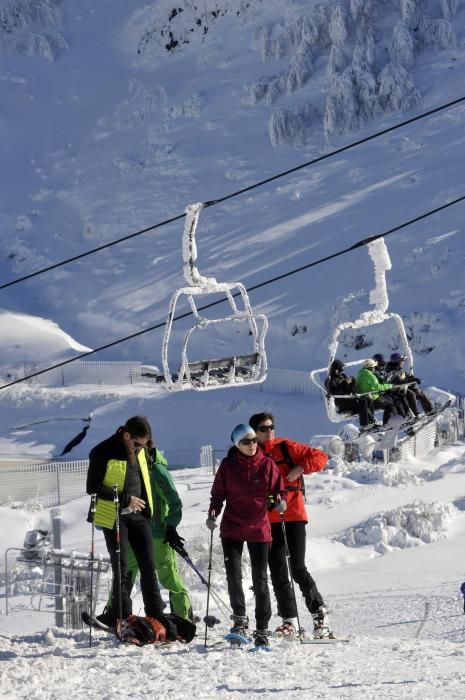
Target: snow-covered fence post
pixel 425 617
pixel 57 469
pixel 55 515
pixel 207 458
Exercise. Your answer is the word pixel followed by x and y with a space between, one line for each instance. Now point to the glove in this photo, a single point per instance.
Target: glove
pixel 211 523
pixel 417 380
pixel 281 507
pixel 173 538
pixel 399 388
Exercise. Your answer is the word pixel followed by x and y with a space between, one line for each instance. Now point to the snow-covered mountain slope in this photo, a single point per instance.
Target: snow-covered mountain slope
pixel 111 126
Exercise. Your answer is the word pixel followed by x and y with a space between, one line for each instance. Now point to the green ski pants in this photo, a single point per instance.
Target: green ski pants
pixel 166 566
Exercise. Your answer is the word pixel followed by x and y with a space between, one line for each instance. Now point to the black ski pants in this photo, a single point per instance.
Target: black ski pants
pixel 258 552
pixel 363 405
pixel 135 530
pixel 388 405
pixel 295 535
pixel 420 396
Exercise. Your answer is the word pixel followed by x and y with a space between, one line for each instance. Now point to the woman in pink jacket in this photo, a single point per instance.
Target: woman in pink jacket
pixel 248 482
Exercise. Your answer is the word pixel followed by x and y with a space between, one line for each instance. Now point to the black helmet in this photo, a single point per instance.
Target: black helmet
pixel 337 365
pixel 379 358
pixel 397 357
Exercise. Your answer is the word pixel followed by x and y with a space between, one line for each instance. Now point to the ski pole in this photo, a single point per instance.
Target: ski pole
pixel 223 607
pixel 184 555
pixel 289 570
pixel 92 553
pixel 118 560
pixel 208 584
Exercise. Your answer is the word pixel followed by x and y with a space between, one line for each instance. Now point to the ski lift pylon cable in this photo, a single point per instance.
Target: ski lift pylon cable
pixel 259 285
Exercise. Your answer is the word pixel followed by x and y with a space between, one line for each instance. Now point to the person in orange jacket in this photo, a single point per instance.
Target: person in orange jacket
pixel 294 459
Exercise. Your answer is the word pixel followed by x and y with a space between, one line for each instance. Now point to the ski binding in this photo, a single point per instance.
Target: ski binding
pixel 236 639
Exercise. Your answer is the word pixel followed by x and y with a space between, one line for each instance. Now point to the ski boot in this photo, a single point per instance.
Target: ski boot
pixel 321 628
pixel 107 619
pixel 238 632
pixel 261 640
pixel 240 624
pixel 285 629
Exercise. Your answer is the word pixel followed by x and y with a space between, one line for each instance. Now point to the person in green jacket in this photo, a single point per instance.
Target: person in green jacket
pixel 367 383
pixel 167 514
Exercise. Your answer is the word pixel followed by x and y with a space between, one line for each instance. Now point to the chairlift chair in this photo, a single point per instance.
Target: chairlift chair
pixel 318 376
pixel 213 373
pixel 378 296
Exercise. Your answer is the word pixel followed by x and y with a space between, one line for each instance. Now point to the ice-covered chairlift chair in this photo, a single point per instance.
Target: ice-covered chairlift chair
pixel 215 373
pixel 379 297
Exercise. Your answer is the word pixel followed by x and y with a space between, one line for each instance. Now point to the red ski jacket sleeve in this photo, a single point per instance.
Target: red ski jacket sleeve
pixel 309 458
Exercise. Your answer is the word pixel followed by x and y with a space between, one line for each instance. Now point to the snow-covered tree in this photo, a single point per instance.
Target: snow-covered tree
pixel 341 113
pixel 338 25
pixel 291 127
pixel 371 49
pixel 276 89
pixel 361 8
pixel 366 88
pixel 263 42
pixel 397 91
pixel 449 8
pixel 30 27
pixel 286 41
pixel 321 18
pixel 413 13
pixel 309 30
pixel 352 99
pixel 260 90
pixel 440 35
pixel 336 63
pixel 401 49
pixel 301 68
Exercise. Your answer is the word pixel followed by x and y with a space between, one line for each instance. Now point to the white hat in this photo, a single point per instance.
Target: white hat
pixel 370 364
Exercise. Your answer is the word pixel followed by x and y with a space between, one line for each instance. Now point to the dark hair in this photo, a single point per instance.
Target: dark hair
pixel 232 451
pixel 258 418
pixel 138 426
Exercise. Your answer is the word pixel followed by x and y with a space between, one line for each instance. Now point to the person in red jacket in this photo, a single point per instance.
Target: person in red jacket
pixel 246 480
pixel 293 459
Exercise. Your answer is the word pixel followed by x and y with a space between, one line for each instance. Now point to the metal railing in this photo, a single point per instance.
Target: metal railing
pixel 55 483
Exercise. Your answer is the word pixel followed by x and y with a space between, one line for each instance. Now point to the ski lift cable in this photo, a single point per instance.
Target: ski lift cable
pixel 271 280
pixel 220 200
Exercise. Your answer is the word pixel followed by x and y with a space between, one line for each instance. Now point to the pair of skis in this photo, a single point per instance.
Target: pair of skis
pixel 239 641
pixel 408 427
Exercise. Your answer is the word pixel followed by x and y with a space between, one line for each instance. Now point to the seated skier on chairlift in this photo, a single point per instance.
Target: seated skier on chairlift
pixel 404 401
pixel 367 383
pixel 397 375
pixel 337 383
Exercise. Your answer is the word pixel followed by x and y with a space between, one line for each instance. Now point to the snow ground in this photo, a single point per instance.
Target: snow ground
pixel 376 599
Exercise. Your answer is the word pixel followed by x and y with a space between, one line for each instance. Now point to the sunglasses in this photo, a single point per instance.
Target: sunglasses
pixel 265 428
pixel 137 444
pixel 248 441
